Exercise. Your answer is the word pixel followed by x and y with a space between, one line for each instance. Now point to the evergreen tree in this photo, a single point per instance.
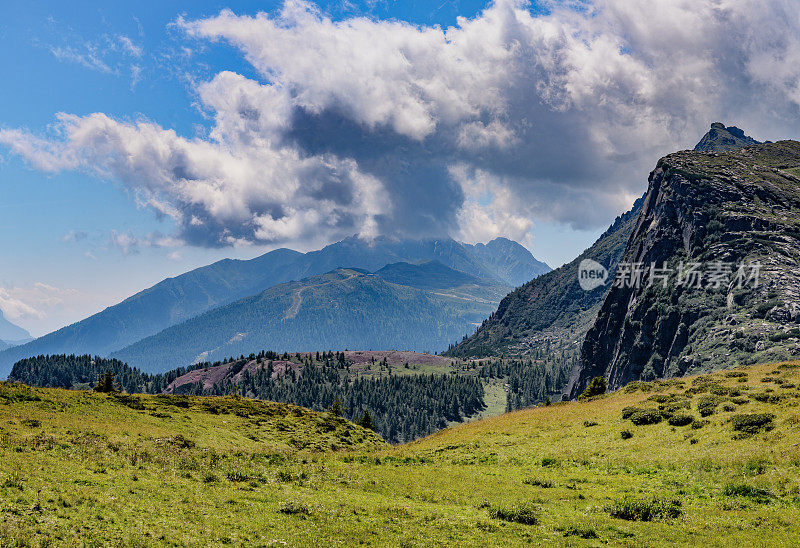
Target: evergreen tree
pixel 366 421
pixel 105 383
pixel 336 408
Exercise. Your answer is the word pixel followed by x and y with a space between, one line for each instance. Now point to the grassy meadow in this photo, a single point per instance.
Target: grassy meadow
pixel 710 461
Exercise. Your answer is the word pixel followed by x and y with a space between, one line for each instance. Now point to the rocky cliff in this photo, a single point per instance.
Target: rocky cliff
pixel 703 216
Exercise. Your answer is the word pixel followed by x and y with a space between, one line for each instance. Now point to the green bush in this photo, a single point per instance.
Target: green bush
pixel 536 482
pixel 524 514
pixel 707 404
pixel 764 397
pixel 628 411
pixel 580 531
pixel 748 491
pixel 748 424
pixel 626 434
pixel 680 420
pixel 735 374
pixel 294 507
pixel 646 510
pixel 646 416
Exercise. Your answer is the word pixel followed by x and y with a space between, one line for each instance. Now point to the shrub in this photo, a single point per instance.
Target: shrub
pixel 671 408
pixel 681 420
pixel 728 407
pixel 294 507
pixel 735 374
pixel 237 476
pixel 748 424
pixel 764 397
pixel 580 531
pixel 589 423
pixel 748 491
pixel 31 423
pixel 524 514
pixel 549 461
pixel 646 510
pixel 628 411
pixel 546 484
pixel 210 477
pixel 626 434
pixel 707 404
pixel 698 424
pixel 646 416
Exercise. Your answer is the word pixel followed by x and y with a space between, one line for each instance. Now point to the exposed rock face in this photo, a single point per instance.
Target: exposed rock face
pixel 720 138
pixel 734 207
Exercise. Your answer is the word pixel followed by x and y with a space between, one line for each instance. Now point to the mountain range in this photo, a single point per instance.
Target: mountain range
pixel 400 306
pixel 501 263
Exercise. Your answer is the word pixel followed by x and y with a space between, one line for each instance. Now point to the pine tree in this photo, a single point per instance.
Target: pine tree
pixel 336 408
pixel 366 421
pixel 105 383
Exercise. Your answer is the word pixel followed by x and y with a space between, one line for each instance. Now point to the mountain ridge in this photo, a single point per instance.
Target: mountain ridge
pixel 344 308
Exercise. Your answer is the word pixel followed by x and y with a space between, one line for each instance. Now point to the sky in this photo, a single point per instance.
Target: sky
pixel 138 143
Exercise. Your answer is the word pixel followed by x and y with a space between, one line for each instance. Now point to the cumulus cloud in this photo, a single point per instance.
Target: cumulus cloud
pixel 477 130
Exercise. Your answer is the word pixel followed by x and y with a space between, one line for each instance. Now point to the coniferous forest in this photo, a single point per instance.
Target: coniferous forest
pixel 401 405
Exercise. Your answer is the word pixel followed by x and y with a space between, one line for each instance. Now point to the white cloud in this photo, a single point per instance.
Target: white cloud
pixel 128 47
pixel 42 307
pixel 88 57
pixel 362 125
pixel 129 243
pixel 21 303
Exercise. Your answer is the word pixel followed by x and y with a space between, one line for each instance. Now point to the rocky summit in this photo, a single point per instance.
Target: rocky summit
pixel 712 273
pixel 721 138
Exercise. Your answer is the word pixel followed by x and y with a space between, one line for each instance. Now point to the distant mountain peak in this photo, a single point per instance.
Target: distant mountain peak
pixel 10 332
pixel 720 138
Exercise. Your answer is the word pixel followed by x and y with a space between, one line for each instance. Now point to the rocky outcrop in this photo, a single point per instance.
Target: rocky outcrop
pixel 727 208
pixel 720 138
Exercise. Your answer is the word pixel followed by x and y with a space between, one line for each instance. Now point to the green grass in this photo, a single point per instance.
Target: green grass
pixel 78 468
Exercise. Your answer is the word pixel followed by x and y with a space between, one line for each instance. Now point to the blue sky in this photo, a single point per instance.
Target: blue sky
pixel 540 125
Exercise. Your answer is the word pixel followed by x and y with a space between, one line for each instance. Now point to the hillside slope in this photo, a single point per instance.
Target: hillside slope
pixel 175 300
pixel 704 211
pixel 343 309
pixel 192 471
